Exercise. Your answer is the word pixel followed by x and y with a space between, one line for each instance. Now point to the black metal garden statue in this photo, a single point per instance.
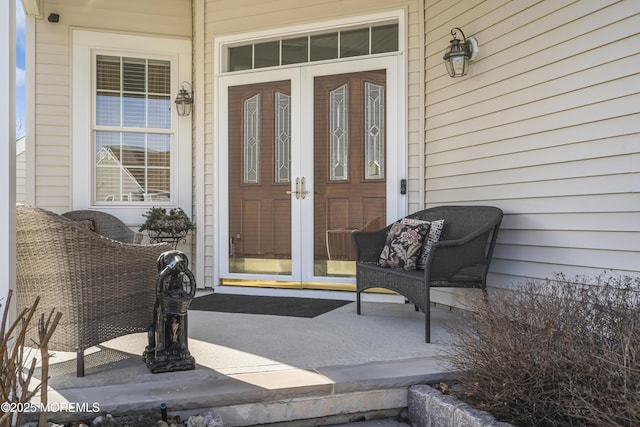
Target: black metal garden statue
pixel 168 348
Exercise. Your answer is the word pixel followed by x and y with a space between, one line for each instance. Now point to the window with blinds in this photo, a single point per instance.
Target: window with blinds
pixel 132 130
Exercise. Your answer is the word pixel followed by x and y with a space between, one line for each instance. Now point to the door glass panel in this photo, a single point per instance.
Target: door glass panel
pixel 338 128
pixel 374 131
pixel 283 138
pixel 259 206
pixel 251 139
pixel 344 200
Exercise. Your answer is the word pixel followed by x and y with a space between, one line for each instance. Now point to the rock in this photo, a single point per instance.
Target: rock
pixel 196 421
pixel 212 419
pixel 103 421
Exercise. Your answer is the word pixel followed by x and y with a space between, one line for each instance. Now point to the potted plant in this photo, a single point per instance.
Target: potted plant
pixel 164 225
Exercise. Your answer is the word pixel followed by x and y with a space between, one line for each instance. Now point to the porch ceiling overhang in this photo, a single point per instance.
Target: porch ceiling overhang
pixel 32 7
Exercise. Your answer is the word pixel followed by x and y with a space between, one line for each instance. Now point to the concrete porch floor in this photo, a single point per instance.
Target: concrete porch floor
pixel 259 369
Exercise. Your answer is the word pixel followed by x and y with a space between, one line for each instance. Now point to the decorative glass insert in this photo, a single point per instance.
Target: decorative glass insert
pixel 338 132
pixel 374 131
pixel 251 141
pixel 367 40
pixel 283 138
pixel 132 134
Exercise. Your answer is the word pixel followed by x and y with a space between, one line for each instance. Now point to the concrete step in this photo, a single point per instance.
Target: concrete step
pixel 290 397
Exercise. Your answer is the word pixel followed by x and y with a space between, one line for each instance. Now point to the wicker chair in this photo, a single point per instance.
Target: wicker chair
pixel 106 225
pixel 103 288
pixel 460 259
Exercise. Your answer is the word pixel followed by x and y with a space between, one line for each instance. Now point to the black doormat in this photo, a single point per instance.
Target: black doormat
pixel 275 306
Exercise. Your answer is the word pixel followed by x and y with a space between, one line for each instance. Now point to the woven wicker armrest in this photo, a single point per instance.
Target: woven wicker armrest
pixel 450 257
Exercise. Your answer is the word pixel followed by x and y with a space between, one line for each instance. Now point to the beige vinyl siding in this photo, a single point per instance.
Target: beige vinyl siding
pixel 52 132
pixel 20 171
pixel 546 126
pixel 226 17
pixel 53 79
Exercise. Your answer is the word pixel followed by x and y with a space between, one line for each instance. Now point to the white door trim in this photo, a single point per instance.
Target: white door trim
pixel 302 79
pixel 395 154
pixel 394 63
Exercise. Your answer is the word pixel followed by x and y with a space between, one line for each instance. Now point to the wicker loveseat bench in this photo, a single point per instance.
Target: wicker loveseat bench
pixel 459 259
pixel 103 287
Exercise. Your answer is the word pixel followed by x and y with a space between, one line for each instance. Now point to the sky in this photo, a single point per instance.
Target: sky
pixel 20 45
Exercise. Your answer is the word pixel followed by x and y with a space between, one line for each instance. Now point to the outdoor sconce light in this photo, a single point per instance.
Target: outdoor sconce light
pixel 184 100
pixel 459 53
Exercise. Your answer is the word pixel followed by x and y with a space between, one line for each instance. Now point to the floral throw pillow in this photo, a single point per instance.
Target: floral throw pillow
pixel 403 244
pixel 435 231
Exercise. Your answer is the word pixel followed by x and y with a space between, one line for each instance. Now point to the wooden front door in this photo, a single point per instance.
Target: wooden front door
pixel 349 162
pixel 307 165
pixel 260 177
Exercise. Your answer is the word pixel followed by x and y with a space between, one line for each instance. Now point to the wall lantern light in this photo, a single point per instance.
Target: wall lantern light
pixel 184 100
pixel 459 53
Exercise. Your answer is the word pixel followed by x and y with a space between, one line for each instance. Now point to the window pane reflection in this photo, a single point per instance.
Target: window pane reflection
pixel 240 58
pixel 324 46
pixel 384 39
pixel 295 51
pixel 354 43
pixel 267 54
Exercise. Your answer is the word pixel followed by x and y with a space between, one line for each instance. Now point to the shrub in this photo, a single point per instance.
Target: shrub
pixel 554 353
pixel 175 221
pixel 16 366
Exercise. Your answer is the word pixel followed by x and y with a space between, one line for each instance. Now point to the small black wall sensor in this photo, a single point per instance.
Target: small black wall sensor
pixel 53 17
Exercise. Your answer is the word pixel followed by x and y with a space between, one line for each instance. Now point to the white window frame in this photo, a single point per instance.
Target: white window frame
pixel 88 44
pixel 223 43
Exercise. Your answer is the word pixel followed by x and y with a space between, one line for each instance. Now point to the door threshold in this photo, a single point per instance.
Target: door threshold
pixel 308 293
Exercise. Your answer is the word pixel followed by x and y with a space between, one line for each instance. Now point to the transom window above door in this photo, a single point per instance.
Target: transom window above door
pixel 299 49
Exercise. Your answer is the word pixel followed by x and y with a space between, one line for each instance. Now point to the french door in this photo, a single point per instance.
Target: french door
pixel 304 161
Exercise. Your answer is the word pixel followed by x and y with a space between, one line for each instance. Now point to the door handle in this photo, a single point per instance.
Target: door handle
pixel 297 192
pixel 301 188
pixel 303 191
